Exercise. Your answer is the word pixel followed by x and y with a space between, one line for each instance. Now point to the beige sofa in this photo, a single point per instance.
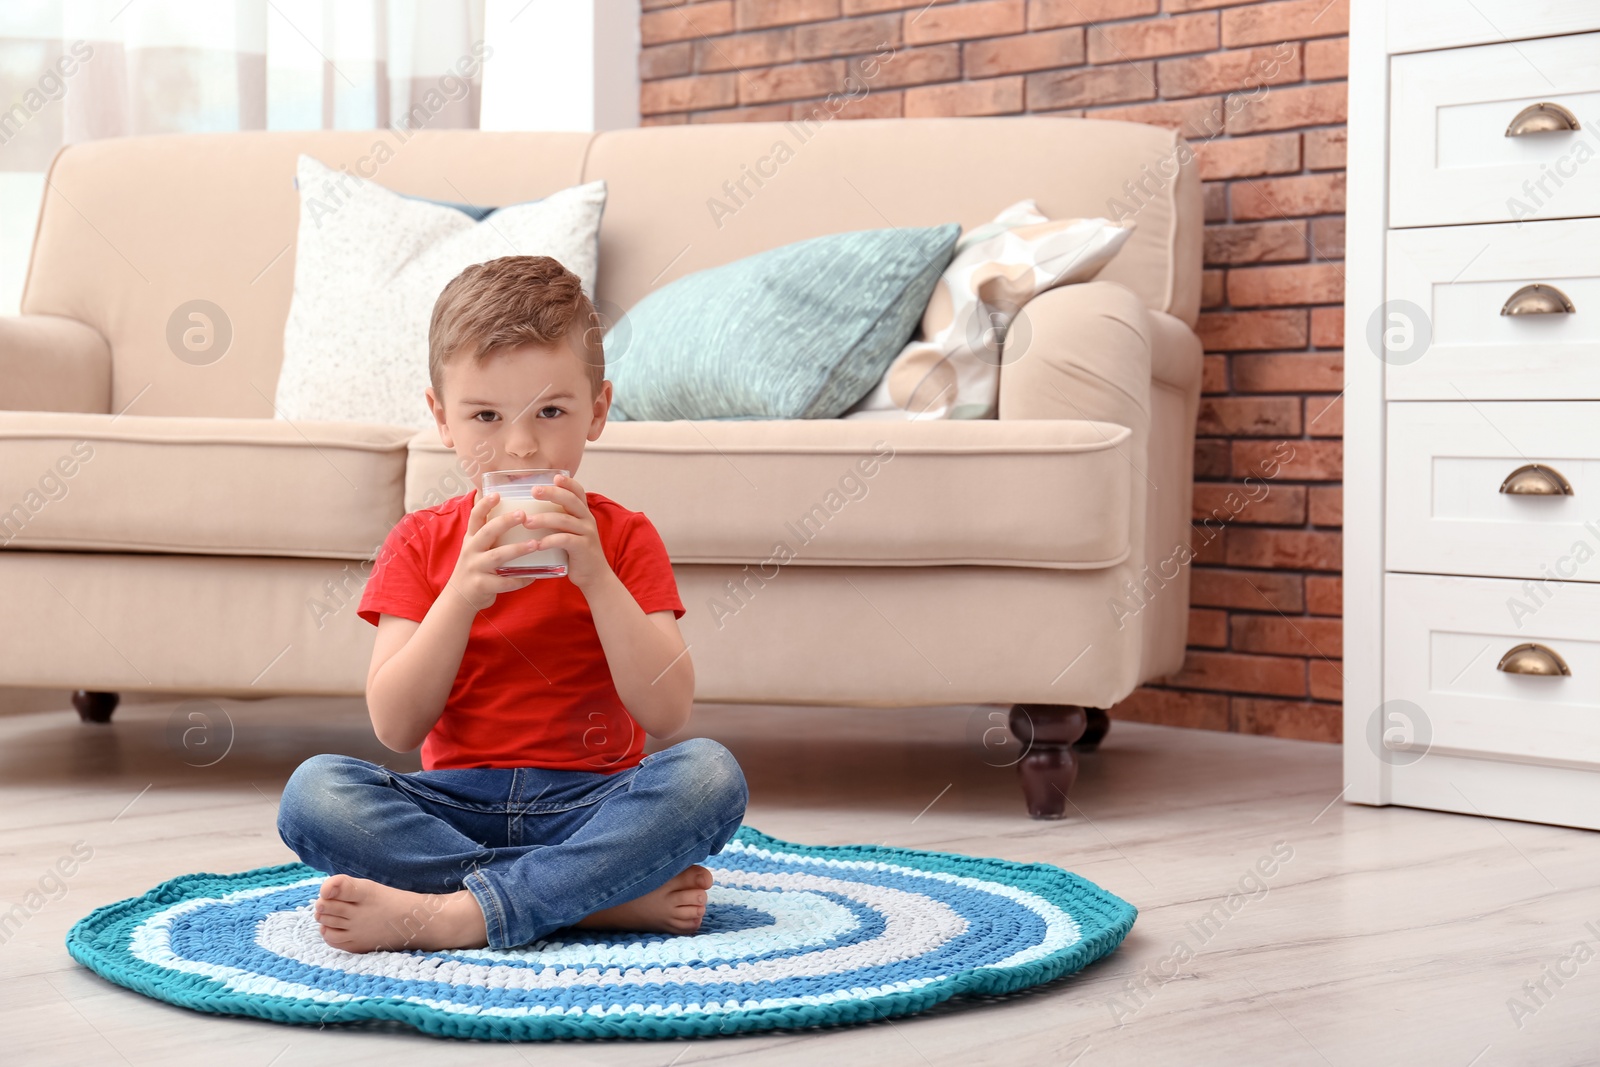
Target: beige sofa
pixel 163 531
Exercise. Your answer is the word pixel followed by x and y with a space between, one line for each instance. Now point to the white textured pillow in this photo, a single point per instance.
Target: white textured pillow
pixel 951 368
pixel 369 265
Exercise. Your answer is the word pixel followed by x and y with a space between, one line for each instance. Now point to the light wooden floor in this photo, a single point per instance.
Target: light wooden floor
pixel 1390 936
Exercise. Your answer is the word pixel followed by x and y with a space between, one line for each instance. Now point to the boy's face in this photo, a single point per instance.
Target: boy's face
pixel 526 406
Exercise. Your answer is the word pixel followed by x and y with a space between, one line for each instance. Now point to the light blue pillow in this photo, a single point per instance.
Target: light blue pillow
pixel 472 211
pixel 797 332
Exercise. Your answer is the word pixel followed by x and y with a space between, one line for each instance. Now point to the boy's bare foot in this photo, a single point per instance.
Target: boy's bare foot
pixel 360 915
pixel 675 908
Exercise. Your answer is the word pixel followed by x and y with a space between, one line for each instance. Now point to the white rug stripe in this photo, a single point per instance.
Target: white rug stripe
pixel 914 925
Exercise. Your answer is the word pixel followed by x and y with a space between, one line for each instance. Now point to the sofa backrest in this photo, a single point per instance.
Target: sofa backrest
pixel 131 229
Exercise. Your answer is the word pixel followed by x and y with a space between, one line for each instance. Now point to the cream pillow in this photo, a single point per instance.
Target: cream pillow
pixel 369 265
pixel 951 368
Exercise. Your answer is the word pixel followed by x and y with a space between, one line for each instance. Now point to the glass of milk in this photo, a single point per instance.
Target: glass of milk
pixel 516 494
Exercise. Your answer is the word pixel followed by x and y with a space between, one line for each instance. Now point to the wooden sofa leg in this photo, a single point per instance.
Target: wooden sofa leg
pixel 1099 724
pixel 95 706
pixel 1049 766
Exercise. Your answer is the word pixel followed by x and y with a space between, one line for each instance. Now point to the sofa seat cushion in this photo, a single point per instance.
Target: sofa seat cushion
pixel 218 486
pixel 1051 493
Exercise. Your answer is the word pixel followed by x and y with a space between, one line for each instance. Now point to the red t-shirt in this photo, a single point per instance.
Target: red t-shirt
pixel 534 688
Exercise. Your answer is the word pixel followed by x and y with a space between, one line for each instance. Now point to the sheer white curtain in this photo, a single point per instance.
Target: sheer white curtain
pixel 74 70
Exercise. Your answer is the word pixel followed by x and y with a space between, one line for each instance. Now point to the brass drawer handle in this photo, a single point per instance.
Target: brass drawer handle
pixel 1542 118
pixel 1533 658
pixel 1532 479
pixel 1538 299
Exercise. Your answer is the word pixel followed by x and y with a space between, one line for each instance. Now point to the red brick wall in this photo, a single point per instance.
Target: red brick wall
pixel 1258 88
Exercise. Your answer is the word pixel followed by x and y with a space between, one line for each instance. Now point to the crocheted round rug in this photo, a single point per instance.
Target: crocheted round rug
pixel 793 936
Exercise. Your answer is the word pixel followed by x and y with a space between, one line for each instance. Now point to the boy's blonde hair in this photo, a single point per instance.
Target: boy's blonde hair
pixel 514 300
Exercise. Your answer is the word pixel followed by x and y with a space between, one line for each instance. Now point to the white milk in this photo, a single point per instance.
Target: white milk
pixel 543 563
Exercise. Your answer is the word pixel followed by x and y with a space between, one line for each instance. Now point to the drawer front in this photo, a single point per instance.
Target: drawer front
pixel 1445 641
pixel 1451 160
pixel 1418 24
pixel 1462 278
pixel 1446 513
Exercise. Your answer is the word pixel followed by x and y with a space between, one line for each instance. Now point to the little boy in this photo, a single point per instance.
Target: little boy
pixel 535 808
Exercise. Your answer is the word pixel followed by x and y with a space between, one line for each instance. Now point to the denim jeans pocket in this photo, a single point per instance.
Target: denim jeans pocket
pixel 550 791
pixel 481 789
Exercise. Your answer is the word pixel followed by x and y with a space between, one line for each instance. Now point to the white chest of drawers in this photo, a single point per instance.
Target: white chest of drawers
pixel 1472 408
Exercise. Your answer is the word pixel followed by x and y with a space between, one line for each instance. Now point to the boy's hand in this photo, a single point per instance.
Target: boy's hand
pixel 474 577
pixel 574 531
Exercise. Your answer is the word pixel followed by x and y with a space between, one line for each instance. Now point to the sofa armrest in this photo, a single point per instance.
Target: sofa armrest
pixel 1177 357
pixel 53 363
pixel 1083 352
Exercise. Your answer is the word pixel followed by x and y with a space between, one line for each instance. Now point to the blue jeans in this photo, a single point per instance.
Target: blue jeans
pixel 539 849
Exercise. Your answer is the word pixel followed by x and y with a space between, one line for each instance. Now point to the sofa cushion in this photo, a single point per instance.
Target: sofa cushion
pixel 369 266
pixel 1049 493
pixel 797 332
pixel 951 369
pixel 222 486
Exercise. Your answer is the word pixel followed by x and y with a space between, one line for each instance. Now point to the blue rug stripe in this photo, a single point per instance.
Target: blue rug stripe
pixel 959 898
pixel 201 942
pixel 980 945
pixel 977 947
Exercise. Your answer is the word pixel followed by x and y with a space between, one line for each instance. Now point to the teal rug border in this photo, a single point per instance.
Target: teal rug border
pixel 99 942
